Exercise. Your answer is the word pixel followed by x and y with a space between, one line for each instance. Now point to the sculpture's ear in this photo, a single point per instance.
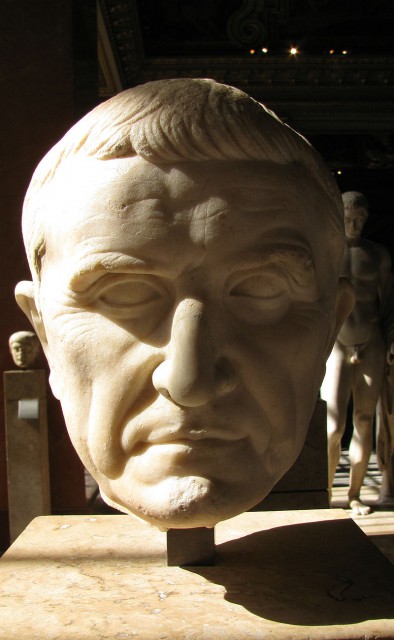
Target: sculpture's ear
pixel 344 304
pixel 24 295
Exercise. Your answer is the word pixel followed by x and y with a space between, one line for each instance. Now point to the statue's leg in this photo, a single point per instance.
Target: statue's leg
pixel 385 440
pixel 335 390
pixel 366 389
pixel 386 498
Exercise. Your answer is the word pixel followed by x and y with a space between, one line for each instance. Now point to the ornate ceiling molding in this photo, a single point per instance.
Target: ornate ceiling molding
pixel 315 93
pixel 256 22
pixel 110 82
pixel 123 35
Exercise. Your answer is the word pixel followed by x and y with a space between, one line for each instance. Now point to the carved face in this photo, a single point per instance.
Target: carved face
pixel 186 312
pixel 355 219
pixel 24 351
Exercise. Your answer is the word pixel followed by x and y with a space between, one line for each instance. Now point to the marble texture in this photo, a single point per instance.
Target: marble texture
pixel 185 248
pixel 304 575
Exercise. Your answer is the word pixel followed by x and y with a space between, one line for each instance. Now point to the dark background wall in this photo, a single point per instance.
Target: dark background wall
pixel 46 83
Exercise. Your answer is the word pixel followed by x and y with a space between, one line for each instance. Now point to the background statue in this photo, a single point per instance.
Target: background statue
pixel 385 412
pixel 385 439
pixel 356 364
pixel 24 348
pixel 185 247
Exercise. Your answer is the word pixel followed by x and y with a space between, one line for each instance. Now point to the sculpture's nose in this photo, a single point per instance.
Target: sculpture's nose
pixel 190 376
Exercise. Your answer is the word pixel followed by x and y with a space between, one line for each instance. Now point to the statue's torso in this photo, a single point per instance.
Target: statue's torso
pixel 361 264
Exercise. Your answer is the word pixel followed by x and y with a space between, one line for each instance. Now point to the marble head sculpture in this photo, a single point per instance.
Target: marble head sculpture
pixel 24 348
pixel 185 248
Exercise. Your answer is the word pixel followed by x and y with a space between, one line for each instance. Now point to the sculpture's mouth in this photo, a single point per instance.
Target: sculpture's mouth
pixel 217 430
pixel 183 433
pixel 213 446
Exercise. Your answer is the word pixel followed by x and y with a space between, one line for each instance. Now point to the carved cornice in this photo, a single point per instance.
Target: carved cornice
pixel 333 72
pixel 315 93
pixel 124 36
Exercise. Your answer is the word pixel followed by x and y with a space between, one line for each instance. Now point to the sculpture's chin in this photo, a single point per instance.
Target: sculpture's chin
pixel 191 487
pixel 186 502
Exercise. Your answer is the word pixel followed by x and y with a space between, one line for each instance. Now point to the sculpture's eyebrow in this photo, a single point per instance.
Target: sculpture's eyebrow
pixel 294 261
pixel 90 269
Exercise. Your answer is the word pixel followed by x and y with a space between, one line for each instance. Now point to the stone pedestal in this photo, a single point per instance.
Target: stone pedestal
pixel 305 485
pixel 27 447
pixel 278 575
pixel 191 547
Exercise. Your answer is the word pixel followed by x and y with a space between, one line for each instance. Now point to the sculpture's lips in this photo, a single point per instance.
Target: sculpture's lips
pixel 195 436
pixel 210 439
pixel 165 424
pixel 211 445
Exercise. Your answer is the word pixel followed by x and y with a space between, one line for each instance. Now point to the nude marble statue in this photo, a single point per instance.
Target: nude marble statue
pixel 366 340
pixel 24 348
pixel 385 439
pixel 185 247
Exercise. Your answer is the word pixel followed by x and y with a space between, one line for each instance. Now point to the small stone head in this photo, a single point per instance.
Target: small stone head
pixel 24 348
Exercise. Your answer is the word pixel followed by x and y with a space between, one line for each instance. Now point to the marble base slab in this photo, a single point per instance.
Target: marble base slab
pixel 291 574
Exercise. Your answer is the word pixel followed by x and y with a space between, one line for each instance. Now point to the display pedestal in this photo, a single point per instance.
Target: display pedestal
pixel 291 574
pixel 25 394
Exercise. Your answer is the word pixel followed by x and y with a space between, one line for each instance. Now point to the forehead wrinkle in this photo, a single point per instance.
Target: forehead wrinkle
pixel 202 216
pixel 177 193
pixel 262 192
pixel 265 198
pixel 150 206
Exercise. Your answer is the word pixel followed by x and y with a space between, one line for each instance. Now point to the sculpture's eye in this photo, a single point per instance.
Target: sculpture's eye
pixel 259 297
pixel 260 287
pixel 130 296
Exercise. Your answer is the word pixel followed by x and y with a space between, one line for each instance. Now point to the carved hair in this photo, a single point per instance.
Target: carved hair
pixel 355 199
pixel 169 121
pixel 23 336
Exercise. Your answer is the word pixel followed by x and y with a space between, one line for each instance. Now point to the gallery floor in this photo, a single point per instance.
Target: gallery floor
pixel 378 525
pixel 308 574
